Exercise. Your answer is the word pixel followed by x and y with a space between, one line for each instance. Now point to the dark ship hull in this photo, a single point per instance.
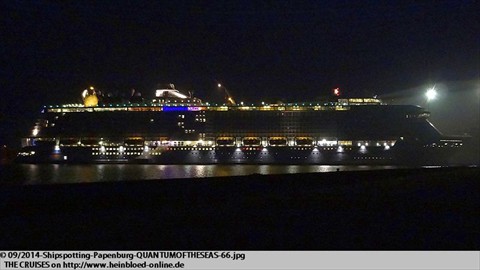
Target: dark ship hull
pixel 246 155
pixel 350 131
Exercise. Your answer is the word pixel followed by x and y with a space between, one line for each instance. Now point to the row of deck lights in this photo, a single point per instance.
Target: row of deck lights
pixel 146 149
pixel 201 143
pixel 121 149
pixel 263 103
pixel 385 145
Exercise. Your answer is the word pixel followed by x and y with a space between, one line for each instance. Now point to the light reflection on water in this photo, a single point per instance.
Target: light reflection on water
pixel 55 173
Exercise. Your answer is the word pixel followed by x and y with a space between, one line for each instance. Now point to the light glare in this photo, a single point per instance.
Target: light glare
pixel 431 94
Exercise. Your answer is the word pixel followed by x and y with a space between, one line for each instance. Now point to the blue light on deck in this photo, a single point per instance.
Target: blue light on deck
pixel 178 109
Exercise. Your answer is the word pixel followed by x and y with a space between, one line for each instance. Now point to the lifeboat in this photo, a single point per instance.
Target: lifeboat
pixel 251 141
pixel 69 141
pixel 304 141
pixel 277 141
pixel 225 141
pixel 134 141
pixel 90 141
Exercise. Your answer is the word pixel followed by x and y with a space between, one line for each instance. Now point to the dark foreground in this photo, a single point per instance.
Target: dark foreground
pixel 425 209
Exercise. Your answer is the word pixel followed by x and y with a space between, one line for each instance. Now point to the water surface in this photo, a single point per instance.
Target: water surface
pixel 63 173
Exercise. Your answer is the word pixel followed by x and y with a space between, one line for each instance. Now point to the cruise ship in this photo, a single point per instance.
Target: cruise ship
pixel 174 128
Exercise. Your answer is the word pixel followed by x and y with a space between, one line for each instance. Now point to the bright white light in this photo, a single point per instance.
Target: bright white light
pixel 340 149
pixel 57 148
pixel 387 147
pixel 121 149
pixel 362 147
pixel 102 149
pixel 146 148
pixel 219 85
pixel 431 94
pixel 35 132
pixel 171 92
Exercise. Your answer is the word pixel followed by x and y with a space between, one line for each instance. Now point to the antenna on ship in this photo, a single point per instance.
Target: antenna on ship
pixel 228 97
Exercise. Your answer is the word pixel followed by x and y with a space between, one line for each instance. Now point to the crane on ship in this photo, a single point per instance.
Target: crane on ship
pixel 228 97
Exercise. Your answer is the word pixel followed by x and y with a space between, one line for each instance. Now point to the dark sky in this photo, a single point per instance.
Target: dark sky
pixel 291 50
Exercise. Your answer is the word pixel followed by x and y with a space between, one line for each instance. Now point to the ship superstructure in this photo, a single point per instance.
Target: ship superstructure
pixel 178 128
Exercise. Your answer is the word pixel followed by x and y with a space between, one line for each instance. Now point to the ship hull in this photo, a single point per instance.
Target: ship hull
pixel 406 155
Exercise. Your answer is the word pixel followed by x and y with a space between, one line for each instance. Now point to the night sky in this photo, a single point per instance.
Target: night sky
pixel 261 50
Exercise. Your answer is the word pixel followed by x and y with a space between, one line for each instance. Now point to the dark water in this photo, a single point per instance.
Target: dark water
pixel 55 173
